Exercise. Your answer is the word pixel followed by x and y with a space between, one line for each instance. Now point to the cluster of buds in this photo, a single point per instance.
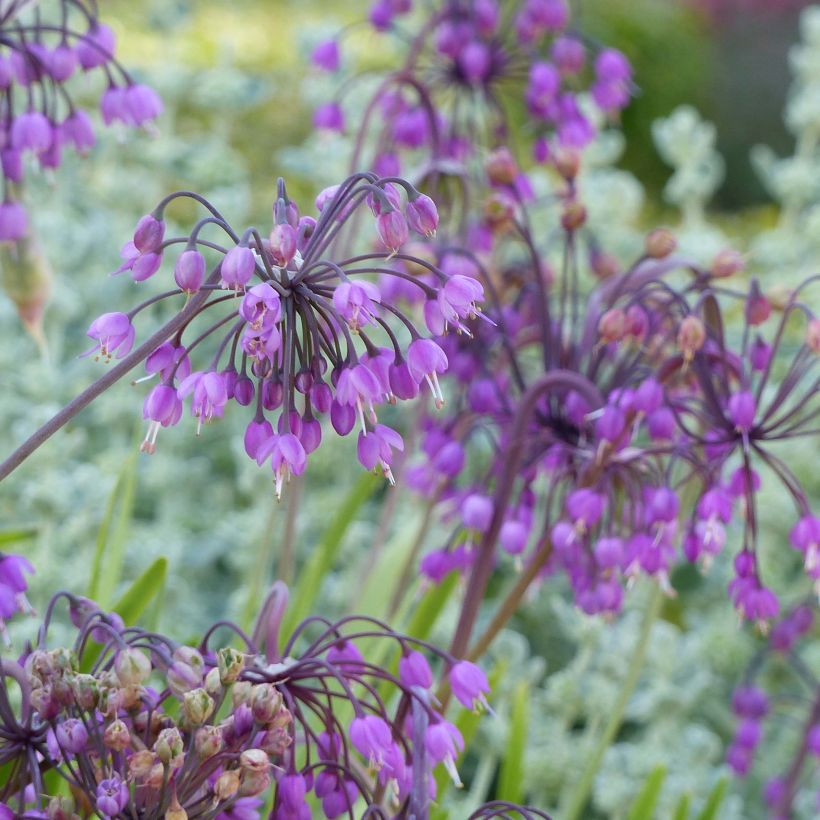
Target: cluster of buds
pixel 465 54
pixel 139 725
pixel 298 323
pixel 42 51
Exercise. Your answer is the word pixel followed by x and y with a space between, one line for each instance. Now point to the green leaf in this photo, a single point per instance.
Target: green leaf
pixel 644 806
pixel 323 558
pixel 510 785
pixel 13 536
pixel 137 597
pixel 682 809
pixel 713 802
pixel 106 569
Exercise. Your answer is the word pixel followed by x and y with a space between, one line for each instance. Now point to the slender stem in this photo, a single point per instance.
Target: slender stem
pixel 287 556
pixel 88 395
pixel 578 799
pixel 565 380
pixel 510 603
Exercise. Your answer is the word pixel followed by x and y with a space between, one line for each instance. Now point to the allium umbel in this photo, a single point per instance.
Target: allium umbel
pixel 295 337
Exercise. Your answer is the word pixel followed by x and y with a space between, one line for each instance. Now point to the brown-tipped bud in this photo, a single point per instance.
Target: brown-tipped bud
pixel 141 763
pixel 283 719
pixel 612 326
pixel 170 747
pixel 276 740
pixel 574 216
pixel 175 810
pixel 567 162
pixel 27 279
pixel 254 783
pixel 241 693
pixel 230 663
pixel 61 808
pixel 660 243
pixel 44 702
pixel 499 211
pixel 85 690
pixel 813 335
pixel 39 667
pixel 133 666
pixel 197 706
pixel 779 296
pixel 604 265
pixel 226 786
pixel 727 262
pixel 64 660
pixel 758 308
pixel 691 336
pixel 208 741
pixel 111 701
pixel 266 701
pixel 501 167
pixel 131 696
pixel 117 736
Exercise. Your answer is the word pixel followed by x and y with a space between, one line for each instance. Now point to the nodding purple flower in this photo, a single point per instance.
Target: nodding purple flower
pixel 163 408
pixel 742 410
pixel 422 215
pixel 238 266
pixel 356 302
pixel 414 670
pixel 142 104
pixel 469 685
pixel 425 361
pixel 443 742
pixel 112 796
pixel 371 738
pixel 13 221
pixel 330 117
pixel 376 449
pixel 114 334
pixel 287 455
pixel 72 735
pixel 189 271
pixel 326 55
pixel 31 131
pixel 392 229
pixel 96 47
pixel 13 587
pixel 77 130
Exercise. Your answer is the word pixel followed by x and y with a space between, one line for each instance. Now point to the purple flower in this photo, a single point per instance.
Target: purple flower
pixel 78 130
pixel 469 685
pixel 189 271
pixel 287 455
pixel 422 215
pixel 414 670
pixel 238 266
pixel 164 409
pixel 112 796
pixel 392 229
pixel 326 55
pixel 376 448
pixel 330 117
pixel 97 46
pixel 72 735
pixel 355 302
pixel 443 742
pixel 371 738
pixel 31 131
pixel 141 104
pixel 13 221
pixel 425 360
pixel 114 334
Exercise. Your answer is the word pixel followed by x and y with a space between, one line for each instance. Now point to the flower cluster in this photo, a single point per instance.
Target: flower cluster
pixel 140 725
pixel 291 307
pixel 755 712
pixel 13 586
pixel 41 52
pixel 467 58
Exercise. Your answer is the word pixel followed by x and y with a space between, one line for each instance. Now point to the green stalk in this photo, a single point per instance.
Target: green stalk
pixel 578 798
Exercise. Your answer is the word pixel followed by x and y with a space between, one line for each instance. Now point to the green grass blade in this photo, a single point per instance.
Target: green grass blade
pixel 137 597
pixel 510 779
pixel 106 568
pixel 14 536
pixel 714 801
pixel 682 809
pixel 310 577
pixel 647 800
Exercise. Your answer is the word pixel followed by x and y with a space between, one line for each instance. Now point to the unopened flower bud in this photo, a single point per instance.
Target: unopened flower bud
pixel 117 736
pixel 567 162
pixel 422 215
pixel 241 693
pixel 499 211
pixel 85 690
pixel 392 229
pixel 213 683
pixel 61 808
pixel 182 678
pixel 44 702
pixel 813 335
pixel 283 719
pixel 226 786
pixel 254 760
pixel 140 764
pixel 604 265
pixel 208 741
pixel 574 216
pixel 691 336
pixel 230 664
pixel 276 740
pixel 779 296
pixel 612 326
pixel 501 167
pixel 189 271
pixel 660 243
pixel 758 308
pixel 266 700
pixel 282 244
pixel 197 705
pixel 169 747
pixel 254 783
pixel 132 666
pixel 175 811
pixel 63 660
pixel 727 263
